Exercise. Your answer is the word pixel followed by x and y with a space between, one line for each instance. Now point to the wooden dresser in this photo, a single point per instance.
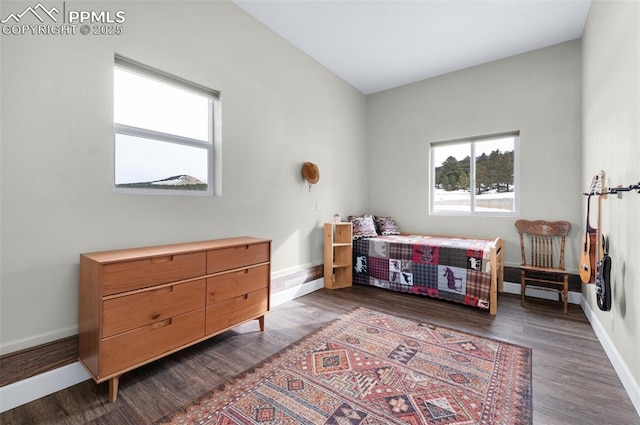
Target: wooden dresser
pixel 138 305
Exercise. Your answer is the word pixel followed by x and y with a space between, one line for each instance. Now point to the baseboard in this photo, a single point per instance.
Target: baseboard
pixel 275 275
pixel 293 293
pixel 622 370
pixel 514 288
pixel 27 390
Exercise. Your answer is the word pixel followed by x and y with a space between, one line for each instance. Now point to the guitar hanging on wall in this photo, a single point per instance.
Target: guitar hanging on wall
pixel 603 279
pixel 603 261
pixel 602 258
pixel 589 241
pixel 595 263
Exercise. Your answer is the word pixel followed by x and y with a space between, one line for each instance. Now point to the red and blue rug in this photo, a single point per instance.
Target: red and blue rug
pixel 370 367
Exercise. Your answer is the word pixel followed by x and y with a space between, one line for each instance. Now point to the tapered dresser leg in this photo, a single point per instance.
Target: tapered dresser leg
pixel 113 389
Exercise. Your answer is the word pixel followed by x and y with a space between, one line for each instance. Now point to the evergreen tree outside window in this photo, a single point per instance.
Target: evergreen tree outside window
pixel 475 176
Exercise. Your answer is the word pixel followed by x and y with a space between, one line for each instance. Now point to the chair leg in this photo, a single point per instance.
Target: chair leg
pixel 523 287
pixel 565 292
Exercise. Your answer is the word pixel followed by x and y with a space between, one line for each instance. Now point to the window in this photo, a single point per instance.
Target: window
pixel 167 133
pixel 493 175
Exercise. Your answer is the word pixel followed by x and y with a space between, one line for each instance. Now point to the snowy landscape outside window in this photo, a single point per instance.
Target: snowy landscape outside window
pixel 165 133
pixel 475 176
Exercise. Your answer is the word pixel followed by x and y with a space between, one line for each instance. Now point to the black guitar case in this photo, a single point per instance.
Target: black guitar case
pixel 603 283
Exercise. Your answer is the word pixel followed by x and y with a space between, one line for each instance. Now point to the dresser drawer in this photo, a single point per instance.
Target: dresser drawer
pixel 133 311
pixel 233 284
pixel 129 275
pixel 231 312
pixel 130 348
pixel 236 257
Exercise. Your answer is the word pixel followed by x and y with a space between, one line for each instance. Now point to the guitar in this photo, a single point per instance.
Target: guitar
pixel 587 255
pixel 603 280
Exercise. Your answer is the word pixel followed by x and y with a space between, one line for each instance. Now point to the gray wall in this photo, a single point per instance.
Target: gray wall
pixel 537 93
pixel 280 108
pixel 611 56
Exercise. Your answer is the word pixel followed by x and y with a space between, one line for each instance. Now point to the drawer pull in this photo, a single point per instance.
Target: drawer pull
pixel 159 325
pixel 246 296
pixel 162 290
pixel 155 316
pixel 165 259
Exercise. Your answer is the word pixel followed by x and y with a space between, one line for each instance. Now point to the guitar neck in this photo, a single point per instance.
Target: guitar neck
pixel 599 235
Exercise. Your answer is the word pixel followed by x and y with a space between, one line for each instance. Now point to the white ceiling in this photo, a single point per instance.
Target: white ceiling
pixel 377 45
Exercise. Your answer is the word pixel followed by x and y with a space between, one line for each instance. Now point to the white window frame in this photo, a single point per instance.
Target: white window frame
pixel 471 141
pixel 213 145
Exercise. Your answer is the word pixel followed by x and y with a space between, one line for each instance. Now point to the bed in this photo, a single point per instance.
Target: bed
pixel 463 270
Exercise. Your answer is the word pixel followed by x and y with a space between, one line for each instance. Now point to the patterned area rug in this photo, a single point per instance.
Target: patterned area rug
pixel 370 367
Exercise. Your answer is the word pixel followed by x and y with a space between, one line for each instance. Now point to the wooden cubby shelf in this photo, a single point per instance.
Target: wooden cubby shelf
pixel 338 248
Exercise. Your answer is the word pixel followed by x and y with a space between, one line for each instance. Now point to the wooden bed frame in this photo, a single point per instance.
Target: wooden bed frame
pixel 497 273
pixel 496 258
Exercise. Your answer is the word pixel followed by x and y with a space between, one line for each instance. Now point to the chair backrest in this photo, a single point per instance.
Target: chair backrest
pixel 544 240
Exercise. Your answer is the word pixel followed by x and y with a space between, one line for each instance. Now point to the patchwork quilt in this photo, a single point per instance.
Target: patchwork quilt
pixel 453 269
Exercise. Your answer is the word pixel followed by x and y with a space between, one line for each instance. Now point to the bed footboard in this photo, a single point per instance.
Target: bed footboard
pixel 497 274
pixel 431 265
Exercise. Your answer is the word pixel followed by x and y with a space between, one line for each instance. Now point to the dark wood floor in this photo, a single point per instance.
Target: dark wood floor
pixel 573 381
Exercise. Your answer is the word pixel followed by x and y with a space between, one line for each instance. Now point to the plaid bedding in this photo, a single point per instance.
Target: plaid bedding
pixel 453 269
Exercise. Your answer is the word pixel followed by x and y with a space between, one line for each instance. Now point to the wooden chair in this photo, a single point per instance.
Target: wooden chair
pixel 542 248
